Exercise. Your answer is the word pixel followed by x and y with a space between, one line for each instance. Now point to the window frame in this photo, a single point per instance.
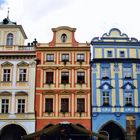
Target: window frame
pixel 65 77
pixel 50 79
pixel 81 77
pixel 80 105
pixel 6 75
pixel 109 53
pixel 65 57
pixel 22 76
pixel 64 105
pixel 122 54
pixel 128 95
pixel 5 106
pixel 80 57
pixel 9 39
pixel 105 72
pixel 50 57
pixel 22 105
pixel 51 102
pixel 105 98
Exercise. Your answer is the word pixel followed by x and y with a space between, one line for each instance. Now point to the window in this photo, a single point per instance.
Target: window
pixel 49 77
pixel 80 77
pixel 80 57
pixel 6 75
pixel 109 53
pixel 65 105
pixel 22 75
pixel 5 106
pixel 63 38
pixel 105 73
pixel 122 54
pixel 127 72
pixel 48 105
pixel 128 99
pixel 9 40
pixel 65 57
pixel 105 98
pixel 81 105
pixel 65 77
pixel 21 106
pixel 50 57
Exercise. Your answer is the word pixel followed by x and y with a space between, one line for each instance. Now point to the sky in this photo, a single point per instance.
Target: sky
pixel 92 18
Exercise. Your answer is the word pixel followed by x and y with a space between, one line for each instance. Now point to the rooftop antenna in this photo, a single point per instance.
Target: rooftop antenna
pixel 8 13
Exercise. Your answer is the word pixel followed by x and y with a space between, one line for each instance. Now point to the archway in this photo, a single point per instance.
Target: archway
pixel 138 133
pixel 113 131
pixel 12 132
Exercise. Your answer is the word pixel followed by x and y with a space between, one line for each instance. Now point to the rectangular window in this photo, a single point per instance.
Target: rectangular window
pixel 49 77
pixel 127 73
pixel 5 106
pixel 80 105
pixel 109 53
pixel 22 75
pixel 80 77
pixel 65 77
pixel 50 57
pixel 105 73
pixel 122 54
pixel 21 106
pixel 80 57
pixel 105 98
pixel 128 99
pixel 65 57
pixel 65 105
pixel 6 75
pixel 48 105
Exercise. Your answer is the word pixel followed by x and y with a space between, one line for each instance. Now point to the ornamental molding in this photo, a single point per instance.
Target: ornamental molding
pixel 6 64
pixel 23 64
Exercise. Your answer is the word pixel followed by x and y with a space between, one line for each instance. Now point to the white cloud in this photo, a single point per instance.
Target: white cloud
pixel 90 17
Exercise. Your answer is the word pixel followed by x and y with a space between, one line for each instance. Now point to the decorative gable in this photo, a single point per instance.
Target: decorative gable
pixel 128 86
pixel 6 64
pixel 105 86
pixel 23 64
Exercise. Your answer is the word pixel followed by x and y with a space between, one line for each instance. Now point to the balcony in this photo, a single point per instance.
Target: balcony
pixel 16 48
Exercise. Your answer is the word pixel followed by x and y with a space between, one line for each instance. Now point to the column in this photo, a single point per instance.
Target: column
pixel 116 70
pixel 93 82
pixel 13 103
pixel 14 76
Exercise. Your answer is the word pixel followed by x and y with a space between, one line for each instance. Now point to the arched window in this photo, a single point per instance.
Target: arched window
pixel 63 38
pixel 10 38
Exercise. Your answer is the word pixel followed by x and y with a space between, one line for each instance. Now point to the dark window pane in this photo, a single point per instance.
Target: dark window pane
pixel 49 77
pixel 48 105
pixel 65 105
pixel 81 105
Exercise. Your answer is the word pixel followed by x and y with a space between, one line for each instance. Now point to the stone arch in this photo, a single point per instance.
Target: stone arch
pixel 12 132
pixel 113 130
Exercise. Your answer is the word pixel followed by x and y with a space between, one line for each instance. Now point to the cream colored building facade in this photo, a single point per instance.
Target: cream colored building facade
pixel 17 79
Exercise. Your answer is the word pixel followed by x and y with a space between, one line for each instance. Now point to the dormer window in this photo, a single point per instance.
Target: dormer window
pixel 9 40
pixel 63 38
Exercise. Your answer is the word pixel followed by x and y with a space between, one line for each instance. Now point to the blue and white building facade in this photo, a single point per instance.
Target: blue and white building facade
pixel 116 85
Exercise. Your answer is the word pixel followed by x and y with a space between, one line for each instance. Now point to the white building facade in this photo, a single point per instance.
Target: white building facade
pixel 17 82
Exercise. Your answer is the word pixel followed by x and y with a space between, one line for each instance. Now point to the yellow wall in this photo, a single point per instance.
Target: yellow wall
pixel 98 52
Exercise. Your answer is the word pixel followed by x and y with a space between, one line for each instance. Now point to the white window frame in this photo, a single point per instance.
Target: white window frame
pixel 22 75
pixel 7 75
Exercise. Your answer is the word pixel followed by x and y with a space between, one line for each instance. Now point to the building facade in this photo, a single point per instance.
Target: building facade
pixel 17 82
pixel 116 86
pixel 63 80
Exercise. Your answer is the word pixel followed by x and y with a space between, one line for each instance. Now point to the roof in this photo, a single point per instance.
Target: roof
pixel 7 23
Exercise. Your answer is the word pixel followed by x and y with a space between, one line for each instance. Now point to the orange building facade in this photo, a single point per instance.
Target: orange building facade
pixel 63 80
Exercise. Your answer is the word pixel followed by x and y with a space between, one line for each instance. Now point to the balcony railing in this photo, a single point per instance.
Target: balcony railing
pixel 16 48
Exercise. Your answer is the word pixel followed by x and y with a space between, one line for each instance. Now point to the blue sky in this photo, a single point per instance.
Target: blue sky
pixel 1 2
pixel 91 17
